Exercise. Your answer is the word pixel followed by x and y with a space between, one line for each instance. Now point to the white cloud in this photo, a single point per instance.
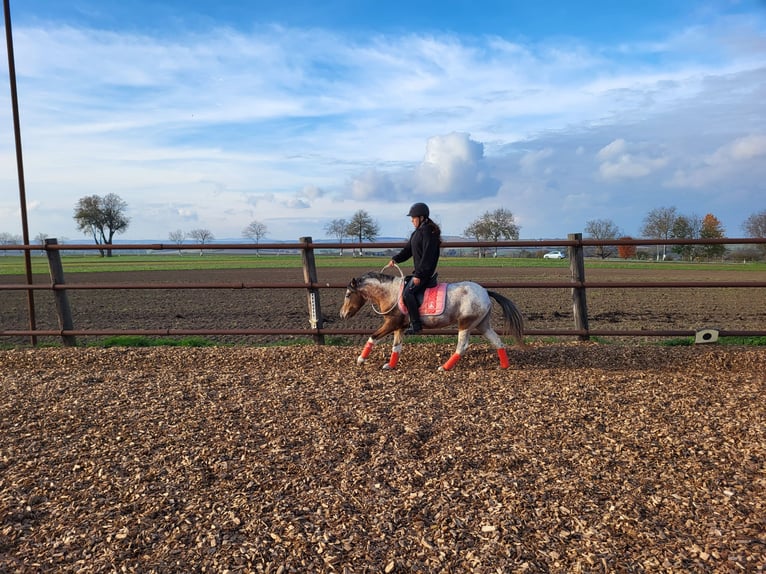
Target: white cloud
pixel 628 167
pixel 741 149
pixel 729 162
pixel 531 161
pixel 454 168
pixel 372 184
pixel 622 160
pixel 296 203
pixel 615 148
pixel 311 192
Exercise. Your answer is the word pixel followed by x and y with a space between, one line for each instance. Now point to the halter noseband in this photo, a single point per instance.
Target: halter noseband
pixel 396 301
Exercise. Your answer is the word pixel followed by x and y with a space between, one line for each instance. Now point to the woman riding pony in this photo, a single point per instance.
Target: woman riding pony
pixel 423 246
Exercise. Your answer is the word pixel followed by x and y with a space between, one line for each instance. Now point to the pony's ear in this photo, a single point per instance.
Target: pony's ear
pixel 353 285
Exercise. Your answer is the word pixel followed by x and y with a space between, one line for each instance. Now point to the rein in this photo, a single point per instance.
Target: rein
pixel 396 301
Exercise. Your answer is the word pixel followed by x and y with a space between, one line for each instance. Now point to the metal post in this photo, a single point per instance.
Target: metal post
pixel 577 269
pixel 310 277
pixel 19 165
pixel 63 311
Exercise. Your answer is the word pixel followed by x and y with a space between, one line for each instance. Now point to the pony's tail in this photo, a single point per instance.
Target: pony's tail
pixel 514 322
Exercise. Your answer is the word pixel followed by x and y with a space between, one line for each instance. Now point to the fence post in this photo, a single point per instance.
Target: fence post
pixel 577 269
pixel 310 277
pixel 63 311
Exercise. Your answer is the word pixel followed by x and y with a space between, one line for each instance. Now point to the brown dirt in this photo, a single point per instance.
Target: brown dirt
pixel 581 457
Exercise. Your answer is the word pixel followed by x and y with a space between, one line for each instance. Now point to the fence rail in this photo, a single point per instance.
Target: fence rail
pixel 578 284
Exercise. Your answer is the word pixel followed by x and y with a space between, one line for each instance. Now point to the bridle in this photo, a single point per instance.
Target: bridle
pixel 396 301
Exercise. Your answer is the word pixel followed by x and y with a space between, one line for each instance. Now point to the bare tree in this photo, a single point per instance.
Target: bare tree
pixel 755 226
pixel 337 228
pixel 603 229
pixel 202 236
pixel 178 236
pixel 255 231
pixel 102 217
pixel 40 238
pixel 493 226
pixel 9 239
pixel 362 227
pixel 658 224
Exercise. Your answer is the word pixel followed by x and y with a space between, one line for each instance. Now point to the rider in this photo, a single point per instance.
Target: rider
pixel 423 247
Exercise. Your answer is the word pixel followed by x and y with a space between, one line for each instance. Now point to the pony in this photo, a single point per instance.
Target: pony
pixel 466 303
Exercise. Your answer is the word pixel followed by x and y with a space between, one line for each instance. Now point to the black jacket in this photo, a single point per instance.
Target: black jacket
pixel 423 247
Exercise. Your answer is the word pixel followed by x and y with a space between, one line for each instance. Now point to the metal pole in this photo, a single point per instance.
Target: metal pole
pixel 20 167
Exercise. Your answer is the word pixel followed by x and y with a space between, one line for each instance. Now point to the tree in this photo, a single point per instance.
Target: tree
pixel 177 237
pixel 202 236
pixel 9 239
pixel 255 231
pixel 362 227
pixel 337 228
pixel 712 229
pixel 493 226
pixel 602 230
pixel 658 224
pixel 40 238
pixel 102 217
pixel 686 228
pixel 755 226
pixel 627 251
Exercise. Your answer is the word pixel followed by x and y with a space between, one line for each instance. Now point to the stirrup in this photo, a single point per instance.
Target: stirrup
pixel 413 329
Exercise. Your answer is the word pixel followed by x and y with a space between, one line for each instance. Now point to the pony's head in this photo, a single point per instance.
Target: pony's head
pixel 372 286
pixel 353 300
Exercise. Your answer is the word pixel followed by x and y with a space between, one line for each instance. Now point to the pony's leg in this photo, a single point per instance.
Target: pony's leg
pixel 390 325
pixel 463 338
pixel 495 339
pixel 395 350
pixel 366 351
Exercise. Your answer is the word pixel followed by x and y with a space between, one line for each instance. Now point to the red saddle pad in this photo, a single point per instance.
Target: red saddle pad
pixel 434 300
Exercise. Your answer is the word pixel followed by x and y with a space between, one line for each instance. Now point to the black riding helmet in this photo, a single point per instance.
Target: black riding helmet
pixel 419 210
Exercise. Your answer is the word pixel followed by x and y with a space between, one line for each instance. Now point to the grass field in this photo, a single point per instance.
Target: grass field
pixel 14 264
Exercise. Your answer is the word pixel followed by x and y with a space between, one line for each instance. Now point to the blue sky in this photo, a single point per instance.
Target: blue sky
pixel 214 114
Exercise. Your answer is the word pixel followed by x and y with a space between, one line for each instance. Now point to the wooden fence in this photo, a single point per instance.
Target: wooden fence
pixel 578 285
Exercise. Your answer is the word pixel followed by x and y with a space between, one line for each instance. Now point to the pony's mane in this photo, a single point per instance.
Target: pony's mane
pixel 376 276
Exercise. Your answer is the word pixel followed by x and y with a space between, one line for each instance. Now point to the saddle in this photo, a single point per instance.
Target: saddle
pixel 431 301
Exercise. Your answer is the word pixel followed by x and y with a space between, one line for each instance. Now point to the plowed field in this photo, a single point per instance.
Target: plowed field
pixel 543 308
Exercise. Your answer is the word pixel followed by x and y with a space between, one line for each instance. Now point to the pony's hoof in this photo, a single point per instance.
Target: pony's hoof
pixel 360 361
pixel 387 367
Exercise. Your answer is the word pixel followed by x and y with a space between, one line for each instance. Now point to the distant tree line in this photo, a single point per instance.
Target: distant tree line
pixel 104 217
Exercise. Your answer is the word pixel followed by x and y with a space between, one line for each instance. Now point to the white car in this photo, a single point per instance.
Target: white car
pixel 554 255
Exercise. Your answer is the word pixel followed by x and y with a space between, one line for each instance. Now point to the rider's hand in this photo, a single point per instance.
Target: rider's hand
pixel 391 263
pixel 416 280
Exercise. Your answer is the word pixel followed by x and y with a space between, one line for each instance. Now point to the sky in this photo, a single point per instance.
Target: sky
pixel 214 114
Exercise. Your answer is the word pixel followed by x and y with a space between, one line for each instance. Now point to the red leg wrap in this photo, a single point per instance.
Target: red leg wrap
pixel 394 360
pixel 367 349
pixel 503 358
pixel 451 362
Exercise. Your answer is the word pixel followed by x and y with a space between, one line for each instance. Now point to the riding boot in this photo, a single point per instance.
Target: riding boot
pixel 411 302
pixel 415 327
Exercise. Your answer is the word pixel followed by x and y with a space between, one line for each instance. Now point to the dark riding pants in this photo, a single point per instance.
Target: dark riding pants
pixel 410 296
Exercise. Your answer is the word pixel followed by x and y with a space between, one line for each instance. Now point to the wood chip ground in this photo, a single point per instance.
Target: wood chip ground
pixel 579 458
